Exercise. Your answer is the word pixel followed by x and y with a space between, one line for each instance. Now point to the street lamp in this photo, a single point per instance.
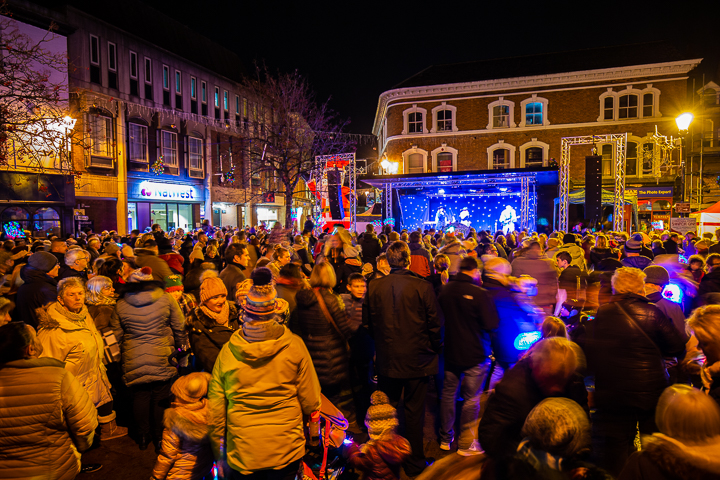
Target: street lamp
pixel 683 122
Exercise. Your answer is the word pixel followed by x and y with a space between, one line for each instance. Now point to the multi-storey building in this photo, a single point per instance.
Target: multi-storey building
pixel 512 113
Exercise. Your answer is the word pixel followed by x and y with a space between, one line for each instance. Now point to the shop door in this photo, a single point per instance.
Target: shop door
pixel 216 217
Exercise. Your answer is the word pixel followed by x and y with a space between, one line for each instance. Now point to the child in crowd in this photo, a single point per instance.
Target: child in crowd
pixel 174 286
pixel 553 327
pixel 696 266
pixel 186 453
pixel 354 300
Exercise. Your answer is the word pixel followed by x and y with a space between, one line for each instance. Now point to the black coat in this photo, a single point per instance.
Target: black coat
pixel 207 337
pixel 710 283
pixel 599 254
pixel 515 396
pixel 469 317
pixel 371 248
pixel 327 348
pixel 39 289
pixel 628 368
pixel 406 322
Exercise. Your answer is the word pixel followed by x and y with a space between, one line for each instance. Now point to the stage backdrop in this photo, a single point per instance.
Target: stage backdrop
pixel 483 212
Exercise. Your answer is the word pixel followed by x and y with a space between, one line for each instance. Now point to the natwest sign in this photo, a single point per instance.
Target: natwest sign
pixel 167 191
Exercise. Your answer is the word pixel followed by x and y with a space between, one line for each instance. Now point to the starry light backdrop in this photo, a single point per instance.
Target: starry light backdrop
pixel 485 210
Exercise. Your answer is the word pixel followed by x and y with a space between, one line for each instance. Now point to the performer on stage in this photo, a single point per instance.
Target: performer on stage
pixel 508 217
pixel 441 218
pixel 465 217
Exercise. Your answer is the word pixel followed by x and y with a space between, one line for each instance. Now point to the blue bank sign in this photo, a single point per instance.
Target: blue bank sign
pixel 147 190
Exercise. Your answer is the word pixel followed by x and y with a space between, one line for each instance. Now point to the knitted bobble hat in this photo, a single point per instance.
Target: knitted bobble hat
pixel 174 283
pixel 211 287
pixel 141 275
pixel 381 417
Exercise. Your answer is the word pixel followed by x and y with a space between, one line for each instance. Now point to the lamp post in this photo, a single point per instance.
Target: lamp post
pixel 683 122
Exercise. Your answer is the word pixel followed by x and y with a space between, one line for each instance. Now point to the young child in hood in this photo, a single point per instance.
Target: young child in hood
pixel 382 456
pixel 186 453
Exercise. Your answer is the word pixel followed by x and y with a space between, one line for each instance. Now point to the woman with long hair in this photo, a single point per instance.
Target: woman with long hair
pixel 601 251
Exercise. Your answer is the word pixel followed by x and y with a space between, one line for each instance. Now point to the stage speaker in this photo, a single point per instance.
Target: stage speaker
pixel 335 194
pixel 593 188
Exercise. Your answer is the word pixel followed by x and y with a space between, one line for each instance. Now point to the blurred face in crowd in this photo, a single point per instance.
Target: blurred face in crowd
pixel 284 259
pixel 562 264
pixel 695 266
pixel 59 247
pixel 357 288
pixel 216 303
pixel 108 291
pixel 81 263
pixel 334 242
pixel 491 251
pixel 55 271
pixel 383 266
pixel 243 259
pixel 73 299
pixel 177 294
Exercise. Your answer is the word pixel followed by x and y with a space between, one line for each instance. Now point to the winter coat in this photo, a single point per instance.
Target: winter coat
pixel 371 248
pixel 636 262
pixel 231 276
pixel 710 283
pixel 515 396
pixel 186 453
pixel 149 325
pixel 628 367
pixel 380 460
pixel 46 419
pixel 101 315
pixel 305 259
pixel 174 261
pixel 420 260
pixel 598 254
pixel 67 272
pixel 469 318
pixel 39 290
pixel 672 310
pixel 671 246
pixel 405 320
pixel 664 458
pixel 258 396
pixel 287 289
pixel 148 258
pixel 577 254
pixel 542 269
pixel 207 337
pixel 455 252
pixel 80 346
pixel 327 348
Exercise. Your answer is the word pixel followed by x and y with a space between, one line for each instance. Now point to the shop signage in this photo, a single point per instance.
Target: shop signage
pixel 682 208
pixel 167 191
pixel 82 217
pixel 658 225
pixel 683 225
pixel 647 192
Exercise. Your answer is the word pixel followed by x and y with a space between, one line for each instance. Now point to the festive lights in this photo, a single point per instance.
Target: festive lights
pixel 158 167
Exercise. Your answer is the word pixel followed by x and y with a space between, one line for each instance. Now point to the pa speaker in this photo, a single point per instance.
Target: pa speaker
pixel 593 188
pixel 335 194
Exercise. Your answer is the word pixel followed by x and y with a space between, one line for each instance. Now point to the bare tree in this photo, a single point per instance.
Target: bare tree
pixel 288 129
pixel 36 131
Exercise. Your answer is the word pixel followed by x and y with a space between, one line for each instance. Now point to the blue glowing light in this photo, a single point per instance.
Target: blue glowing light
pixel 526 340
pixel 673 293
pixel 348 441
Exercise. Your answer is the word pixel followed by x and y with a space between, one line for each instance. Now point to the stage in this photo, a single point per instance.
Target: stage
pixel 482 199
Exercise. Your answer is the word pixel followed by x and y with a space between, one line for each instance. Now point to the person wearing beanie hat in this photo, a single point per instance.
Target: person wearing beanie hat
pixel 634 253
pixel 110 250
pixel 656 279
pixel 258 298
pixel 39 288
pixel 211 324
pixel 174 286
pixel 185 450
pixel 382 456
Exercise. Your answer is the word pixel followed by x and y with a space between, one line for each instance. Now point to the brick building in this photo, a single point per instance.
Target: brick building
pixel 512 113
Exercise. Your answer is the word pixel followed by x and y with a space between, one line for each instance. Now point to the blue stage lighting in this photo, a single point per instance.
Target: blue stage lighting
pixel 526 340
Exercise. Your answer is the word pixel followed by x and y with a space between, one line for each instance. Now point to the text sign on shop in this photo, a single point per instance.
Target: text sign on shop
pixel 649 192
pixel 682 208
pixel 683 225
pixel 167 191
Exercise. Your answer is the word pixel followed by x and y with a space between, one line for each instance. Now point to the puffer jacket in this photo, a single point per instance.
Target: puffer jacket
pixel 380 460
pixel 148 323
pixel 207 337
pixel 420 260
pixel 628 367
pixel 542 269
pixel 186 453
pixel 46 420
pixel 326 347
pixel 455 252
pixel 577 254
pixel 664 458
pixel 148 258
pixel 79 346
pixel 258 396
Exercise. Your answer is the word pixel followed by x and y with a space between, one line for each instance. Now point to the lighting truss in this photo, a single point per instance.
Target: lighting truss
pixel 349 171
pixel 387 195
pixel 524 202
pixel 620 142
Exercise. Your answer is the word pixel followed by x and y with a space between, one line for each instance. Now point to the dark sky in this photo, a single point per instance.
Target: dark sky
pixel 353 51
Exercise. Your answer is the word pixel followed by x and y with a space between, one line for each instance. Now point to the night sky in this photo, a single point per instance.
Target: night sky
pixel 353 51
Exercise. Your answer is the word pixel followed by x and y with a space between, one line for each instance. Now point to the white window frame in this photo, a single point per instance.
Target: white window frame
pixel 511 113
pixel 193 88
pixel 703 91
pixel 145 70
pixel 135 64
pixel 97 40
pixel 406 124
pixel 439 108
pixel 203 92
pixel 130 142
pixel 629 90
pixel 166 78
pixel 164 148
pixel 112 58
pixel 612 159
pixel 496 146
pixel 406 156
pixel 534 99
pixel 534 143
pixel 226 101
pixel 108 124
pixel 178 82
pixel 638 164
pixel 200 157
pixel 628 93
pixel 444 149
pixel 217 97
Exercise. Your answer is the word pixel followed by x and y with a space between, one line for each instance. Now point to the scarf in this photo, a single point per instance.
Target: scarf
pixel 76 318
pixel 258 331
pixel 222 317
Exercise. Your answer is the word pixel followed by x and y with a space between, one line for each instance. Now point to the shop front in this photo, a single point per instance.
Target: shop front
pixel 654 207
pixel 39 203
pixel 170 205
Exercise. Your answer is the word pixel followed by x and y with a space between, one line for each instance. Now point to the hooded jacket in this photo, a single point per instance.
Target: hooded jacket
pixel 420 260
pixel 577 254
pixel 455 252
pixel 46 420
pixel 258 396
pixel 39 290
pixel 371 248
pixel 664 458
pixel 149 324
pixel 79 346
pixel 186 453
pixel 326 347
pixel 598 254
pixel 148 258
pixel 207 337
pixel 542 269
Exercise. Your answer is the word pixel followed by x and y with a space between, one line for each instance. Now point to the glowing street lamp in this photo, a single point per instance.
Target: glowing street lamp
pixel 683 121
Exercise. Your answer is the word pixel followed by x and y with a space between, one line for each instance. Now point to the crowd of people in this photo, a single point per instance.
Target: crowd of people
pixel 567 355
